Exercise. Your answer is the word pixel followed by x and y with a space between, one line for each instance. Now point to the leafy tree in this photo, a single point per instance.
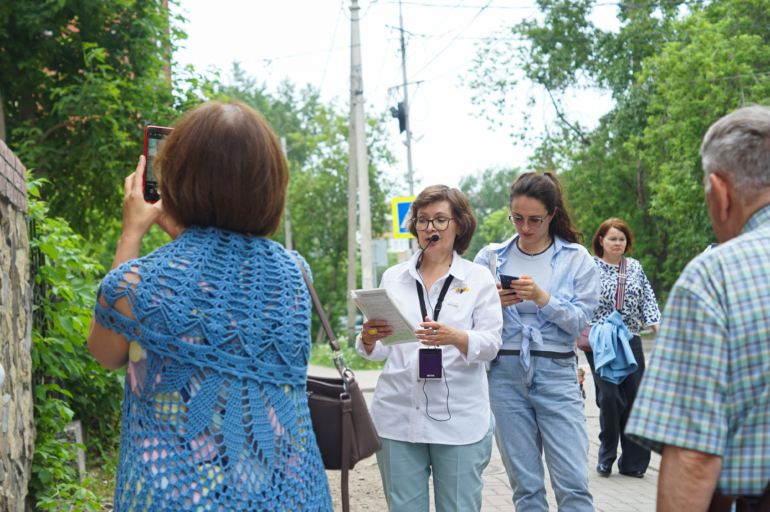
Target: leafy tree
pixel 81 79
pixel 671 75
pixel 488 191
pixel 317 150
pixel 59 355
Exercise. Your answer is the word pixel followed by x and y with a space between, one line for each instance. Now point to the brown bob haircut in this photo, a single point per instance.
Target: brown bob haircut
pixel 602 231
pixel 222 166
pixel 461 211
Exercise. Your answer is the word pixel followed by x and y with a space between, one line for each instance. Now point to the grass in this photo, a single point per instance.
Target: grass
pixel 103 472
pixel 321 355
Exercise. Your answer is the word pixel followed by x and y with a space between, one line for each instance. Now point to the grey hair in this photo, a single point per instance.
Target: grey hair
pixel 739 146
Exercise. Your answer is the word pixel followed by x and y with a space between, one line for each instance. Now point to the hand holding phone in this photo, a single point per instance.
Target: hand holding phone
pixel 154 138
pixel 506 281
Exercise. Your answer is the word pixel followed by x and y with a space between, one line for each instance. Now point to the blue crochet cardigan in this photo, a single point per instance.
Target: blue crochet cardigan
pixel 215 414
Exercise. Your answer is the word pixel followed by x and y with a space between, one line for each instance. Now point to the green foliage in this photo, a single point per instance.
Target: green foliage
pixel 81 79
pixel 672 73
pixel 488 191
pixel 321 355
pixel 317 150
pixel 59 355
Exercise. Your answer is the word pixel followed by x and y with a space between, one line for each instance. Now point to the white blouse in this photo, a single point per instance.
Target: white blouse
pixel 401 398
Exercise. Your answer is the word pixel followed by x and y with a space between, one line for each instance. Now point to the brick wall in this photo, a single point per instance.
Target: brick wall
pixel 17 428
pixel 13 178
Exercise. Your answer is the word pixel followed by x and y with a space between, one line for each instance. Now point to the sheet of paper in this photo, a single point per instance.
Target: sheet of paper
pixel 378 304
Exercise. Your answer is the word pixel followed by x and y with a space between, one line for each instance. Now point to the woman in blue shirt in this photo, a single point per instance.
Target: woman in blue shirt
pixel 533 382
pixel 612 240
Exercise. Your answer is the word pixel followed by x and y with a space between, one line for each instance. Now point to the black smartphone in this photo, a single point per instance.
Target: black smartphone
pixel 506 280
pixel 430 363
pixel 154 138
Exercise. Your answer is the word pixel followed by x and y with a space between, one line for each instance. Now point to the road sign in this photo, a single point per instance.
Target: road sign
pixel 401 221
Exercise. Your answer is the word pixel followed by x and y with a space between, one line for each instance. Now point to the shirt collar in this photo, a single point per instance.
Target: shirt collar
pixel 760 217
pixel 457 268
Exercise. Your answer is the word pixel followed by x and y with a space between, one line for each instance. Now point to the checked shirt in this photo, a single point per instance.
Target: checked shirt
pixel 707 386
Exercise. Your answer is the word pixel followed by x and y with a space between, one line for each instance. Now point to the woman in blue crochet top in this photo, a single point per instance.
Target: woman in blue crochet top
pixel 214 328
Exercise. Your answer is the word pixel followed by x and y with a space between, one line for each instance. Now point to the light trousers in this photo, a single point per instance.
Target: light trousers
pixel 536 411
pixel 457 482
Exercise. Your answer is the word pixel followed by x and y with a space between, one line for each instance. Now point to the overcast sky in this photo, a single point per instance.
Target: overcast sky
pixel 308 41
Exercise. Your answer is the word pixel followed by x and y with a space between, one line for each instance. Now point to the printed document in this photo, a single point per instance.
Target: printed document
pixel 378 304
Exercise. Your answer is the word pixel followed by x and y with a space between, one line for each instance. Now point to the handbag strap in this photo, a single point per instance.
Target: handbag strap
pixel 318 308
pixel 346 402
pixel 620 295
pixel 347 440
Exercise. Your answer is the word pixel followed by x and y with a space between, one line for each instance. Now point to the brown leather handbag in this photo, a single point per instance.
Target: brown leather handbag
pixel 343 428
pixel 720 503
pixel 620 297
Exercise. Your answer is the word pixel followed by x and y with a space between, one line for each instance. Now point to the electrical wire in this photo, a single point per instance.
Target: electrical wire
pixel 453 39
pixel 328 58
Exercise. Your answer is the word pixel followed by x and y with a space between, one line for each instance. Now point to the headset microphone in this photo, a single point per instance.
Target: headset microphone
pixel 432 239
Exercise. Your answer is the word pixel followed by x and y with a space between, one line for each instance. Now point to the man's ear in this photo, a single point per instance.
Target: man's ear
pixel 721 197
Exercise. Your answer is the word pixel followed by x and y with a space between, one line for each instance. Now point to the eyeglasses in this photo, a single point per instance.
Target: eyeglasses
pixel 534 222
pixel 439 224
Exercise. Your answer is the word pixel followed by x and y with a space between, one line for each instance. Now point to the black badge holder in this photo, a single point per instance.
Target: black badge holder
pixel 431 365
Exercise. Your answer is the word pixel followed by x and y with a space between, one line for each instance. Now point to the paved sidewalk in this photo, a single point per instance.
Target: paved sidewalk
pixel 617 493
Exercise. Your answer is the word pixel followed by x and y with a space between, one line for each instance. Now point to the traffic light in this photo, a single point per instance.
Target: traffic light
pixel 400 114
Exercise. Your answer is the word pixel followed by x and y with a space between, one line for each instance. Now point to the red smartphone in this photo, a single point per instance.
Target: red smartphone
pixel 154 138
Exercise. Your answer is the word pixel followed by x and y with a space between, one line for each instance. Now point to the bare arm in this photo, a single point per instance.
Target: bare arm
pixel 687 480
pixel 109 348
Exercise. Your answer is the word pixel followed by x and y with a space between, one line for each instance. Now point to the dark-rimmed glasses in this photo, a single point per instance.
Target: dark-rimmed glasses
pixel 439 223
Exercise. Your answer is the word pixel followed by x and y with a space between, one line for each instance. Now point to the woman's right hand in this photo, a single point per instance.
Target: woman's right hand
pixel 507 297
pixel 383 331
pixel 138 215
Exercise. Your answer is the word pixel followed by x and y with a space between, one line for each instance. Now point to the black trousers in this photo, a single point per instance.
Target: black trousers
pixel 615 402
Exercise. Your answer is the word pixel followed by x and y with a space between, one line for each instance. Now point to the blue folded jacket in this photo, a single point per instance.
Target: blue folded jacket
pixel 613 358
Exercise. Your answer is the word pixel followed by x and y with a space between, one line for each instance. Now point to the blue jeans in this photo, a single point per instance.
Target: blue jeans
pixel 535 411
pixel 457 483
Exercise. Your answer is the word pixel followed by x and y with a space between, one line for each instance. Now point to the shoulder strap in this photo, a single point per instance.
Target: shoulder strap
pixel 318 308
pixel 493 263
pixel 620 296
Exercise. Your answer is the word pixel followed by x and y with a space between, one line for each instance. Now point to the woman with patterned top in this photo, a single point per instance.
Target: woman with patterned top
pixel 214 328
pixel 640 309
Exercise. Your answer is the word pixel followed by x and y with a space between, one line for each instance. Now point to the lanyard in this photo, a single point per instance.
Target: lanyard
pixel 440 301
pixel 620 295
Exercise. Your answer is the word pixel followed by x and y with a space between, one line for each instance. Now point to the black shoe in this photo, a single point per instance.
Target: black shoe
pixel 604 470
pixel 633 474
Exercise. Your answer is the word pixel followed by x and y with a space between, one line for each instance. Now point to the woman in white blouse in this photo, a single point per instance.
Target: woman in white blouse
pixel 440 425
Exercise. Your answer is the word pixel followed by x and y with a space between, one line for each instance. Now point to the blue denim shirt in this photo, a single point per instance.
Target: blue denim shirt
pixel 575 289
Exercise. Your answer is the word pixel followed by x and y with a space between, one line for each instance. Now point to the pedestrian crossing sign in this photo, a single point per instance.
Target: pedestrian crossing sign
pixel 401 220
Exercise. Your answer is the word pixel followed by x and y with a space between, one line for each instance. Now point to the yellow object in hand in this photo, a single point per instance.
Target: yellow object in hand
pixel 372 331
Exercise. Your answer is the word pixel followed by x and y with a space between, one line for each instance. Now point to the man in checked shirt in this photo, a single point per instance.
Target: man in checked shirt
pixel 704 402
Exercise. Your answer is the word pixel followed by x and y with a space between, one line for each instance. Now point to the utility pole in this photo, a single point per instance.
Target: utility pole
pixel 352 225
pixel 289 242
pixel 359 167
pixel 407 123
pixel 406 104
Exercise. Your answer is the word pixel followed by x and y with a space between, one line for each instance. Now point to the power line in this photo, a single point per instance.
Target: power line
pixel 328 58
pixel 454 38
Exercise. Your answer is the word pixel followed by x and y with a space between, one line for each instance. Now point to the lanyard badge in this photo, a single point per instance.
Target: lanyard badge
pixel 431 365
